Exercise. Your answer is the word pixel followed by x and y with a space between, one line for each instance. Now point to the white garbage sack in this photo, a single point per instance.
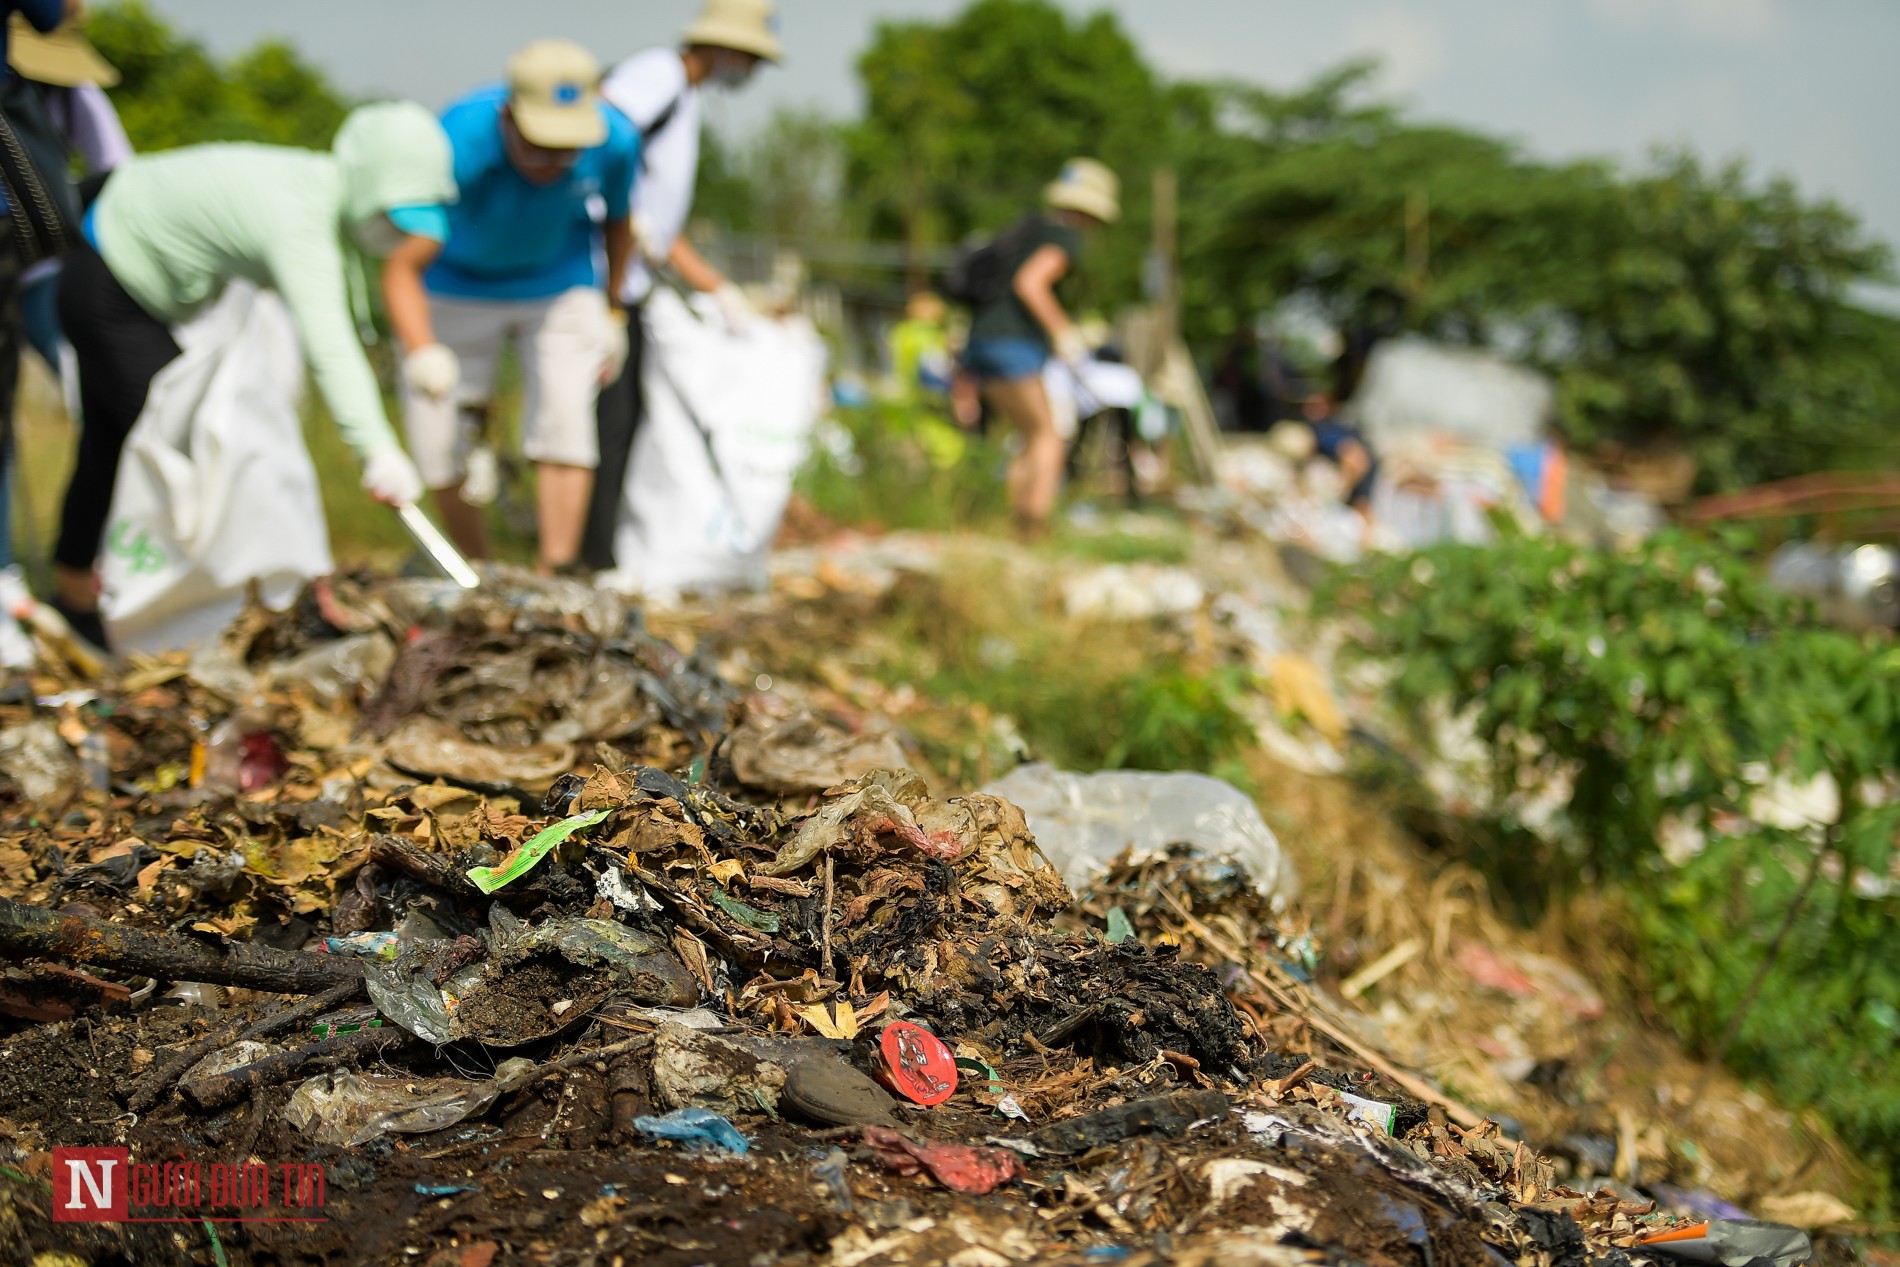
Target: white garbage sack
pixel 1083 821
pixel 728 421
pixel 1079 392
pixel 1413 385
pixel 216 489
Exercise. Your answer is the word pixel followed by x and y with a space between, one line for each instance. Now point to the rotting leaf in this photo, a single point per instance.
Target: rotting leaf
pixel 750 916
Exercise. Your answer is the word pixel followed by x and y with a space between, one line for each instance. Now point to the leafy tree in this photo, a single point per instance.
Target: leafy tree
pixel 785 182
pixel 1680 304
pixel 1720 316
pixel 724 193
pixel 966 120
pixel 279 98
pixel 175 93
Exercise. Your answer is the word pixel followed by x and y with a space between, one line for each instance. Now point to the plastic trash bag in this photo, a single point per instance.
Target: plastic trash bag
pixel 1083 821
pixel 728 423
pixel 216 489
pixel 346 1109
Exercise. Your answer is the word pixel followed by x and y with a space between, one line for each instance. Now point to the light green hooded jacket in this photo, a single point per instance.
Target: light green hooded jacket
pixel 174 227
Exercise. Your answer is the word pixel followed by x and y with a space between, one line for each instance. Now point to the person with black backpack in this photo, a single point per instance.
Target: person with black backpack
pixel 1017 322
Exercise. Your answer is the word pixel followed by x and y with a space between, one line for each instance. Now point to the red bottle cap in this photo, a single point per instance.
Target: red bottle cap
pixel 917 1065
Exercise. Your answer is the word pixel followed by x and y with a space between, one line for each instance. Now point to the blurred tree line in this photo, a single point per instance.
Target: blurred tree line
pixel 175 93
pixel 1680 303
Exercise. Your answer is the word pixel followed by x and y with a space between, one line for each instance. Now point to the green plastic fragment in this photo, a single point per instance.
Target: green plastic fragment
pixel 981 1069
pixel 751 916
pixel 524 859
pixel 1120 929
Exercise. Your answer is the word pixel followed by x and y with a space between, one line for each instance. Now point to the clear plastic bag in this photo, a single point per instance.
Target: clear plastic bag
pixel 1083 821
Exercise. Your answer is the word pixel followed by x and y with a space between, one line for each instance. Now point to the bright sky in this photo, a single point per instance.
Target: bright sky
pixel 1807 88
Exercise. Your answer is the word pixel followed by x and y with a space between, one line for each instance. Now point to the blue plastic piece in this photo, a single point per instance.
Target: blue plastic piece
pixel 695 1127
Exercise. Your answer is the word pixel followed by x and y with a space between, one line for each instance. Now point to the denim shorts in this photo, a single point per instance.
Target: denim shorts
pixel 1004 360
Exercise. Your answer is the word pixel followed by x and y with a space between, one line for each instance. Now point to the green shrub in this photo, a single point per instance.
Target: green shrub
pixel 1665 687
pixel 894 464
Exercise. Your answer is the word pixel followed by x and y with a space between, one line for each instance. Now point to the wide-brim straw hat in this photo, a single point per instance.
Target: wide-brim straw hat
pixel 1087 186
pixel 62 57
pixel 750 26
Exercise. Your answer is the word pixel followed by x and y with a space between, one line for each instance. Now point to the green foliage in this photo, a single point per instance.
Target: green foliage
pixel 1681 304
pixel 1719 316
pixel 1665 687
pixel 175 93
pixel 966 120
pixel 1118 545
pixel 1309 193
pixel 1656 681
pixel 1083 696
pixel 785 182
pixel 1827 1023
pixel 901 465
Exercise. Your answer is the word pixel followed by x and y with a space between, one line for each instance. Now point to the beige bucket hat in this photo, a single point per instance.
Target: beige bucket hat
pixel 62 57
pixel 554 93
pixel 750 26
pixel 1087 186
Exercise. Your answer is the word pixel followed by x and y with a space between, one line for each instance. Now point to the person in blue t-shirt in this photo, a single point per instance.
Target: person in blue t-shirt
pixel 546 172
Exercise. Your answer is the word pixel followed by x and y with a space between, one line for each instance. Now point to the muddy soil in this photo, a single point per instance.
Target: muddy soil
pixel 532 1000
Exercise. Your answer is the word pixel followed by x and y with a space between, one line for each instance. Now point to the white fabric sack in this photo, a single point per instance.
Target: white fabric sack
pixel 1412 385
pixel 748 398
pixel 216 488
pixel 1076 393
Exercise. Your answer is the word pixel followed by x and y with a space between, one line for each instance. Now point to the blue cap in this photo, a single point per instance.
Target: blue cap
pixel 426 220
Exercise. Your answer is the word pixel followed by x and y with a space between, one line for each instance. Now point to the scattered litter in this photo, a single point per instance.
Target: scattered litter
pixel 958 1167
pixel 696 1128
pixel 1733 1243
pixel 1084 821
pixel 1371 1112
pixel 917 1065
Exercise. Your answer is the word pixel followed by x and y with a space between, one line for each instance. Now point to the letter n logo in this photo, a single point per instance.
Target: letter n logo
pixel 89 1184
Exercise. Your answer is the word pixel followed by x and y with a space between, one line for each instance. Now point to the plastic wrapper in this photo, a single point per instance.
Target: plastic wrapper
pixel 1082 822
pixel 38 762
pixel 695 1127
pixel 1733 1243
pixel 343 671
pixel 347 1109
pixel 414 1002
pixel 958 1167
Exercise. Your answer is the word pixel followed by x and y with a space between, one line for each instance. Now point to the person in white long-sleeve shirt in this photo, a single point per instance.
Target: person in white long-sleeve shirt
pixel 660 91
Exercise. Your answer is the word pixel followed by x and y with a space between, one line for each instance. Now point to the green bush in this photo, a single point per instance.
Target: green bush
pixel 896 464
pixel 1665 687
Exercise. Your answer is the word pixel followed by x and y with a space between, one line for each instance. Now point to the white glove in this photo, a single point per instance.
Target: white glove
pixel 734 307
pixel 482 485
pixel 392 479
pixel 614 354
pixel 1071 347
pixel 646 240
pixel 432 370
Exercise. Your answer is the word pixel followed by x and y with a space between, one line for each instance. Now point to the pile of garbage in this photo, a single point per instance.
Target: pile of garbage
pixel 545 941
